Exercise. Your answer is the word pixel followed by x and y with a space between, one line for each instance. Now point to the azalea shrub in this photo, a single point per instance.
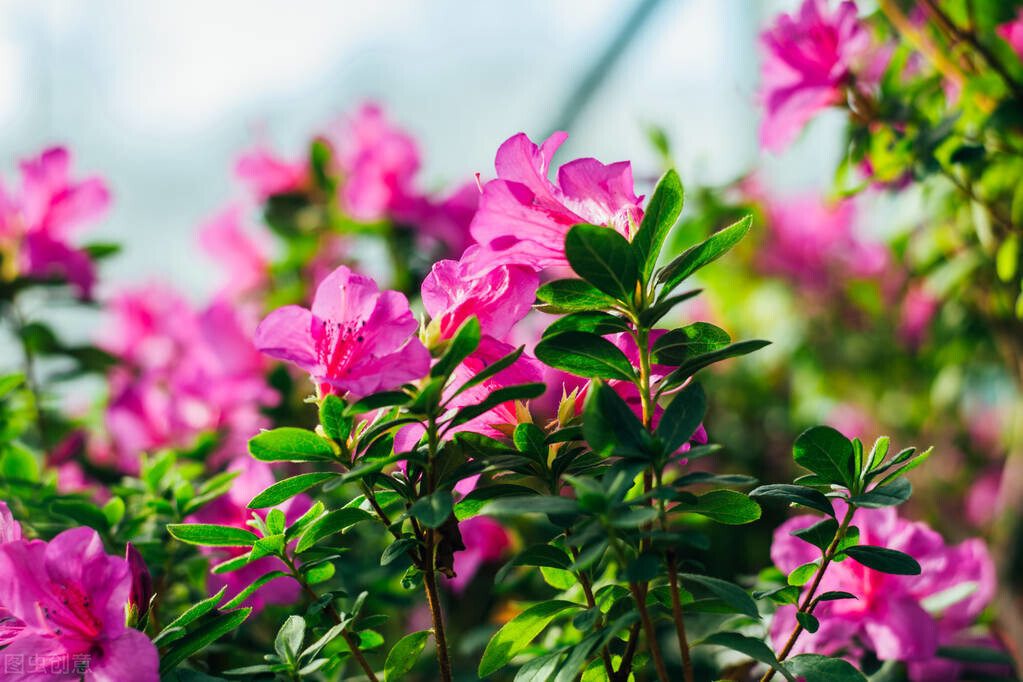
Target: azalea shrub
pixel 474 433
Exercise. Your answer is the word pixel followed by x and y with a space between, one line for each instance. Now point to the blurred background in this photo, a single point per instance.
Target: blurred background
pixel 159 98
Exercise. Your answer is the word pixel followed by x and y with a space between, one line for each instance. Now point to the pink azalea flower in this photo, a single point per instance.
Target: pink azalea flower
pixel 891 614
pixel 919 307
pixel 38 221
pixel 485 541
pixel 141 582
pixel 70 597
pixel 457 290
pixel 10 531
pixel 1012 33
pixel 815 244
pixel 242 255
pixel 266 174
pixel 356 339
pixel 447 219
pixel 231 510
pixel 808 59
pixel 984 499
pixel 378 162
pixel 523 216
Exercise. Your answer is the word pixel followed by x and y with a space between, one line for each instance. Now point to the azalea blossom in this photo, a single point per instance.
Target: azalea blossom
pixel 266 174
pixel 485 541
pixel 243 256
pixel 808 58
pixel 231 509
pixel 38 221
pixel 355 339
pixel 1012 33
pixel 896 616
pixel 523 216
pixel 70 598
pixel 454 291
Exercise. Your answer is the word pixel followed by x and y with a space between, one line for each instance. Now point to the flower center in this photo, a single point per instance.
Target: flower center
pixel 71 610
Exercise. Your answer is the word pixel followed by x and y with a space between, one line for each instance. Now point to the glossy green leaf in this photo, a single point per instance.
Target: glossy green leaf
pixel 333 419
pixel 404 654
pixel 820 534
pixel 591 321
pixel 211 535
pixel 661 214
pixel 731 594
pixel 586 355
pixel 290 444
pixel 200 638
pixel 603 258
pixel 817 668
pixel 796 494
pixel 464 342
pixel 682 417
pixel 335 521
pixel 572 295
pixel 678 345
pixel 884 560
pixel 288 488
pixel 827 453
pixel 891 495
pixel 724 506
pixel 754 648
pixel 519 632
pixel 703 253
pixel 434 509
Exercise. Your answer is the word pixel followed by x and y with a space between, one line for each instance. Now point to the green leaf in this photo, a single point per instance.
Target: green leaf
pixel 211 535
pixel 754 648
pixel 694 364
pixel 333 419
pixel 290 444
pixel 289 638
pixel 835 595
pixel 288 488
pixel 572 295
pixel 808 621
pixel 404 654
pixel 819 535
pixel 733 595
pixel 652 315
pixel 661 214
pixel 643 568
pixel 377 401
pixel 396 549
pixel 592 321
pixel 113 510
pixel 724 506
pixel 518 632
pixel 609 423
pixel 827 453
pixel 542 555
pixel 84 513
pixel 817 668
pixel 698 338
pixel 796 494
pixel 682 417
pixel 318 573
pixel 434 509
pixel 271 545
pixel 908 466
pixel 703 253
pixel 801 575
pixel 199 639
pixel 532 504
pixel 891 495
pixel 464 342
pixel 586 355
pixel 603 258
pixel 884 560
pixel 529 439
pixel 877 453
pixel 332 522
pixel 193 613
pixel 501 395
pixel 276 522
pixel 18 464
pixel 240 598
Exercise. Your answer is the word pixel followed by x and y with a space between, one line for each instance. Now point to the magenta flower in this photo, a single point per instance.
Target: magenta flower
pixel 266 174
pixel 808 60
pixel 891 615
pixel 356 339
pixel 242 255
pixel 523 217
pixel 1012 33
pixel 448 218
pixel 70 597
pixel 231 510
pixel 456 290
pixel 141 583
pixel 38 221
pixel 10 530
pixel 378 162
pixel 485 541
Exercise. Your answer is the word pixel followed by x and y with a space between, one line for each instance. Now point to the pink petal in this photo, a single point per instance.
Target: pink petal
pixel 286 334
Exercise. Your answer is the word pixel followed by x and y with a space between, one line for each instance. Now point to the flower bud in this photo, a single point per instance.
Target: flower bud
pixel 141 586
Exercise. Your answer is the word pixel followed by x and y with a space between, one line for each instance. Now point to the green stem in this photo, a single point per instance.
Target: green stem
pixel 808 603
pixel 429 561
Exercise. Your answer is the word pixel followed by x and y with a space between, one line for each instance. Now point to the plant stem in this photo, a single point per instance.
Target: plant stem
pixel 680 626
pixel 808 603
pixel 584 580
pixel 651 634
pixel 352 641
pixel 429 563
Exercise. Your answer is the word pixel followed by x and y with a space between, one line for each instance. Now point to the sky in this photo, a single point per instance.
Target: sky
pixel 160 97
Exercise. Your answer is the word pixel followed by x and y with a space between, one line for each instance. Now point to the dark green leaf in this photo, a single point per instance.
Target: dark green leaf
pixel 290 444
pixel 404 654
pixel 796 494
pixel 884 560
pixel 661 214
pixel 703 253
pixel 434 509
pixel 698 338
pixel 827 453
pixel 724 506
pixel 808 621
pixel 397 549
pixel 731 594
pixel 491 370
pixel 529 439
pixel 643 568
pixel 464 342
pixel 891 495
pixel 649 317
pixel 696 363
pixel 817 668
pixel 819 534
pixel 332 417
pixel 211 535
pixel 288 488
pixel 518 632
pixel 974 655
pixel 84 513
pixel 377 401
pixel 332 522
pixel 289 638
pixel 609 423
pixel 199 639
pixel 835 595
pixel 586 355
pixel 603 258
pixel 193 613
pixel 501 395
pixel 682 417
pixel 572 295
pixel 754 648
pixel 240 598
pixel 591 321
pixel 533 504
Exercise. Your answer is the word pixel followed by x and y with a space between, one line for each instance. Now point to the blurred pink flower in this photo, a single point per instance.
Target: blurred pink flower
pixel 457 290
pixel 70 597
pixel 815 245
pixel 378 163
pixel 984 499
pixel 266 174
pixel 231 510
pixel 1012 33
pixel 38 221
pixel 807 62
pixel 852 421
pixel 918 309
pixel 485 541
pixel 447 219
pixel 355 339
pixel 523 216
pixel 891 614
pixel 243 256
